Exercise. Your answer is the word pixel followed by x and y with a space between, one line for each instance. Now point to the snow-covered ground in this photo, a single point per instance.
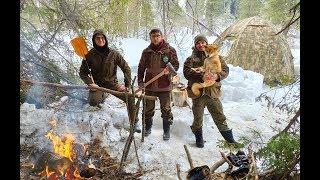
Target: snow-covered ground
pixel 159 157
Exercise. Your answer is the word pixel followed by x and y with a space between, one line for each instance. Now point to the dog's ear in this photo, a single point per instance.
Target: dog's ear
pixel 205 46
pixel 215 47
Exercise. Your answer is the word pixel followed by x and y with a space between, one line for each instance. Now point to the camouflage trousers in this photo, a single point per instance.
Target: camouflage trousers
pixel 214 107
pixel 165 107
pixel 97 97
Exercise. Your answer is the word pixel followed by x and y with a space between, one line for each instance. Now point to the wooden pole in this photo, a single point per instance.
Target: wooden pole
pixel 55 85
pixel 189 157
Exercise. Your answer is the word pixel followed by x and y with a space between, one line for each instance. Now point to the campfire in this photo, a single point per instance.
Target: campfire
pixel 68 160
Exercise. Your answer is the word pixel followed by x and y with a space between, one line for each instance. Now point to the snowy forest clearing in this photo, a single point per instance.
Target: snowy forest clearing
pixel 59 129
pixel 158 158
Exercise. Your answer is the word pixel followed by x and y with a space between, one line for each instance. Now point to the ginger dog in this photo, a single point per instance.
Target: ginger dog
pixel 211 64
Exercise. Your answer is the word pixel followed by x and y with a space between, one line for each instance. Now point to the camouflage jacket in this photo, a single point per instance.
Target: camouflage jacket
pixel 104 68
pixel 151 64
pixel 196 60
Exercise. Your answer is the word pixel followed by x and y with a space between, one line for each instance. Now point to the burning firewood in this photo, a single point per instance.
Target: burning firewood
pixel 46 163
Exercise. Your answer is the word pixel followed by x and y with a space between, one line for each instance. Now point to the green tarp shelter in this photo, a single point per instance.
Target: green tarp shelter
pixel 256 47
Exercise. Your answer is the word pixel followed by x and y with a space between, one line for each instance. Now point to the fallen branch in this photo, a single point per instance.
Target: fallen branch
pixel 295 161
pixel 292 121
pixel 216 165
pixel 253 173
pixel 189 157
pixel 83 87
pixel 178 171
pixel 135 149
pixel 231 166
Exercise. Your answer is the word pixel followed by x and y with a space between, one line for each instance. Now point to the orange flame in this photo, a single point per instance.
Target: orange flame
pixel 62 146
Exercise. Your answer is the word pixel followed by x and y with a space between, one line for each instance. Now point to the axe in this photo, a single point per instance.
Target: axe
pixel 171 69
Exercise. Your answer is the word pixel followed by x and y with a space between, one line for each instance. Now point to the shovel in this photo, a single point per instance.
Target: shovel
pixel 80 47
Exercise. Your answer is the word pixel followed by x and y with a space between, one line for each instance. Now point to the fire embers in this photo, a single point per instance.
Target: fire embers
pixel 68 161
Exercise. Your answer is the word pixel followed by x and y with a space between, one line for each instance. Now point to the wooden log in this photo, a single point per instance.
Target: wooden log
pixel 55 85
pixel 43 159
pixel 178 171
pixel 180 97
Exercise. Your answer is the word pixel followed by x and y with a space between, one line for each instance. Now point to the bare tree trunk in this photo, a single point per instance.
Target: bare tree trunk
pixel 164 18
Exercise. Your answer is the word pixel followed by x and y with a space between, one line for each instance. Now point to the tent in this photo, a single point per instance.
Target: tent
pixel 254 46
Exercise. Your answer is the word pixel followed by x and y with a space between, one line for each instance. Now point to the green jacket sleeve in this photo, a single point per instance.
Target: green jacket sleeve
pixel 190 74
pixel 225 70
pixel 125 69
pixel 84 73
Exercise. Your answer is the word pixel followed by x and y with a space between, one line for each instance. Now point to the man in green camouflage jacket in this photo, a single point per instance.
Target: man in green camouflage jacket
pixel 103 63
pixel 210 95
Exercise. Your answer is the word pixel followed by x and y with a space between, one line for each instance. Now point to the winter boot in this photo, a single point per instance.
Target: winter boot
pixel 166 129
pixel 228 136
pixel 148 128
pixel 199 138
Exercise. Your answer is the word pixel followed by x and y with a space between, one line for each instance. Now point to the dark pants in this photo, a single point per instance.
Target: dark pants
pixel 97 97
pixel 165 107
pixel 214 107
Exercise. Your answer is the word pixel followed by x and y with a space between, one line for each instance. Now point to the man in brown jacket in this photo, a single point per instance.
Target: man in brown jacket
pixel 210 95
pixel 153 60
pixel 103 63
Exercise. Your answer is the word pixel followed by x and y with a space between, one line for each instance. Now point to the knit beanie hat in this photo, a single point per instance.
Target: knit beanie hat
pixel 199 38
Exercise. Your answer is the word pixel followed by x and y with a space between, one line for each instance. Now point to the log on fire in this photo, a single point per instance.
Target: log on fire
pixel 47 163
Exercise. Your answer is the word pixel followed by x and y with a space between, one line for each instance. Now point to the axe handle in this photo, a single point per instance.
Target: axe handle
pixel 151 80
pixel 154 78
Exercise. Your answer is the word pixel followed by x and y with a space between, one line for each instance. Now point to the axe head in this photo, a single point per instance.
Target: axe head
pixel 169 65
pixel 171 69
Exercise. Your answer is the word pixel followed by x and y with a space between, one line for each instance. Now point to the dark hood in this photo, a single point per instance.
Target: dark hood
pixel 100 49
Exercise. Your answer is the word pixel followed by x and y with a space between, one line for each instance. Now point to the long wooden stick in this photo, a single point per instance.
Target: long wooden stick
pixel 131 134
pixel 83 87
pixel 189 157
pixel 178 171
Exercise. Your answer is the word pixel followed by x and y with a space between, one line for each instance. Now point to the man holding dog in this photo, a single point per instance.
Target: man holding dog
pixel 99 69
pixel 210 95
pixel 154 60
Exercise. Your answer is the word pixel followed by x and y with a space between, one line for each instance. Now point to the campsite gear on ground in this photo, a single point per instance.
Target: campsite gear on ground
pixel 80 47
pixel 199 173
pixel 241 161
pixel 199 138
